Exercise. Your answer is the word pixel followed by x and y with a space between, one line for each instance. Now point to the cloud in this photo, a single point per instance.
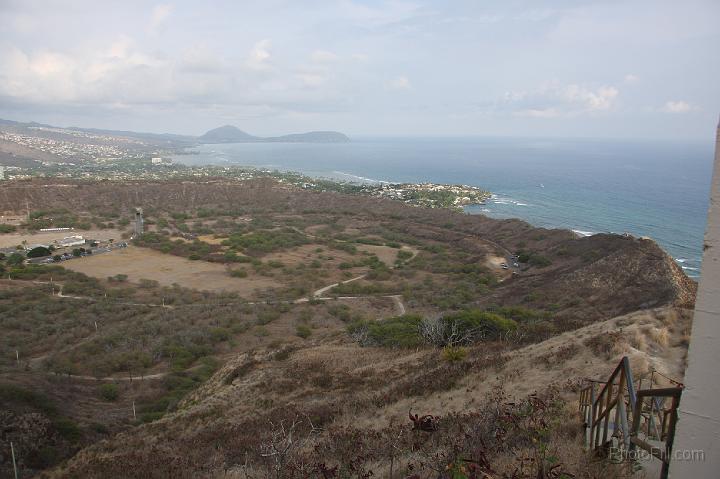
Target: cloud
pixel 323 56
pixel 400 83
pixel 631 79
pixel 678 107
pixel 389 13
pixel 160 13
pixel 555 100
pixel 312 80
pixel 259 56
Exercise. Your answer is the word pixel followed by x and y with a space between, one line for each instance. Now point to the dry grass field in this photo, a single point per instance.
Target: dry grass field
pixel 144 263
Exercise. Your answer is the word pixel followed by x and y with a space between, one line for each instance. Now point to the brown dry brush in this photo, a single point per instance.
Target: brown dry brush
pixel 462 445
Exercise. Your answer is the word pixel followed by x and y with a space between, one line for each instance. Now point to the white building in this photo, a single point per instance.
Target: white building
pixel 2 173
pixel 71 241
pixel 156 161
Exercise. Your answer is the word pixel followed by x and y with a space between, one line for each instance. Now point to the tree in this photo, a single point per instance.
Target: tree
pixel 38 252
pixel 15 259
pixel 109 392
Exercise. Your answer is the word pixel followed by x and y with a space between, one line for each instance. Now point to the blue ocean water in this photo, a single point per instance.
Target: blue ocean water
pixel 655 189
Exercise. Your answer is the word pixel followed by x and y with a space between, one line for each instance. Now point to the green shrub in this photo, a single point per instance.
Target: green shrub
pixel 303 331
pixel 238 273
pixel 7 228
pixel 534 259
pixel 454 354
pixel 403 255
pixel 15 259
pixel 400 332
pixel 68 429
pixel 109 392
pixel 474 324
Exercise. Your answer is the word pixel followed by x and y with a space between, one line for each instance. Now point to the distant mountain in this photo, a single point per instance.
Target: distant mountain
pixel 223 134
pixel 231 134
pixel 227 134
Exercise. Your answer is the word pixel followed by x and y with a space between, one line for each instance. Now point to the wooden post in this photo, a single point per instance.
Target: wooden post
pixel 609 394
pixel 670 436
pixel 12 452
pixel 619 407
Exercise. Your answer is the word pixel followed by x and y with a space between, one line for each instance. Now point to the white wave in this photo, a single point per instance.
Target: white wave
pixel 690 268
pixel 583 233
pixel 517 203
pixel 362 178
pixel 680 260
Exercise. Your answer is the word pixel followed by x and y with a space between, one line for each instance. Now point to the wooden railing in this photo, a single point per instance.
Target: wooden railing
pixel 618 419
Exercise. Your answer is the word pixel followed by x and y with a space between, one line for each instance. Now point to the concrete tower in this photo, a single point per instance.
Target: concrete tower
pixel 698 427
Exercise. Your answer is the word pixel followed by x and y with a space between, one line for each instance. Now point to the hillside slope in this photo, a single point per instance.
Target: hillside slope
pixel 354 393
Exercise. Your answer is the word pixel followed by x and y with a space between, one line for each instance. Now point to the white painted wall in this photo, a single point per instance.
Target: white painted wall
pixel 699 417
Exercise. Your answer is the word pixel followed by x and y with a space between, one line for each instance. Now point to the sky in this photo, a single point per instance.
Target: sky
pixel 562 68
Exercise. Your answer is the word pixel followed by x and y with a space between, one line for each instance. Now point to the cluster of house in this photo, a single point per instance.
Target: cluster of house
pixel 67 242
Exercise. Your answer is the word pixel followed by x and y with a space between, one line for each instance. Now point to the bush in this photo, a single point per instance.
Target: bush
pixel 534 259
pixel 403 255
pixel 454 353
pixel 68 429
pixel 401 332
pixel 473 324
pixel 109 392
pixel 15 259
pixel 238 273
pixel 303 331
pixel 7 228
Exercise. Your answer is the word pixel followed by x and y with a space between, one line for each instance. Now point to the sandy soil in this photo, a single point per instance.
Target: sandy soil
pixel 211 239
pixel 14 239
pixel 139 263
pixel 385 254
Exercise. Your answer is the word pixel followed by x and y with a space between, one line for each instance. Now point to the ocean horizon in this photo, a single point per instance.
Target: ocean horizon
pixel 658 189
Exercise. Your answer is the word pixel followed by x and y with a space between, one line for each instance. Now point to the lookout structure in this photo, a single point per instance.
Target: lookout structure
pixel 138 222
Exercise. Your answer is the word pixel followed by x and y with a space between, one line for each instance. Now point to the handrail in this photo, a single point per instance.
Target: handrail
pixel 618 394
pixel 624 366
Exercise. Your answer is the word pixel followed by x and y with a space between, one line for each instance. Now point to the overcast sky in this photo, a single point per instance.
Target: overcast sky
pixel 611 68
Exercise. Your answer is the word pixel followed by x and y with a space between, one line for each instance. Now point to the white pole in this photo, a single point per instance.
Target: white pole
pixel 96 326
pixel 134 416
pixel 17 357
pixel 12 451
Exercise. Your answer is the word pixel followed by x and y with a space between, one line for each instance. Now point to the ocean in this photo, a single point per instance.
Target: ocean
pixel 658 189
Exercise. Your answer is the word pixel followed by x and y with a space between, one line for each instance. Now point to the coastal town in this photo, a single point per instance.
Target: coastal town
pixel 76 154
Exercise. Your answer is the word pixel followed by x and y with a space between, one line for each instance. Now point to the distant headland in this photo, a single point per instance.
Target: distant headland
pixel 232 134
